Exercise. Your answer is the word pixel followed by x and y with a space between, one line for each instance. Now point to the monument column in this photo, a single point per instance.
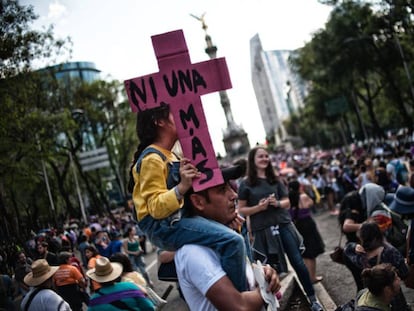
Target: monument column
pixel 235 138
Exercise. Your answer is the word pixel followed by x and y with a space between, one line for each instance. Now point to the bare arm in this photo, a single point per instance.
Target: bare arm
pixel 166 256
pixel 125 246
pixel 224 296
pixel 282 203
pixel 350 226
pixel 251 210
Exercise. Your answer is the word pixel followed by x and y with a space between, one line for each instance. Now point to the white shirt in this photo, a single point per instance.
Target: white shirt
pixel 198 268
pixel 45 300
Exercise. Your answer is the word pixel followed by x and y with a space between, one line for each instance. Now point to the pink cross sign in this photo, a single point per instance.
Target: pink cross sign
pixel 180 84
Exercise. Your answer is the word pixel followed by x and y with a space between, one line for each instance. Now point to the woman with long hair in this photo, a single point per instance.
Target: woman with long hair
pixel 264 198
pixel 92 254
pixel 132 248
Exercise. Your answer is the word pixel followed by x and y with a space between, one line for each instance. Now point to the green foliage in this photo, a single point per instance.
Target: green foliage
pixel 357 56
pixel 20 45
pixel 43 121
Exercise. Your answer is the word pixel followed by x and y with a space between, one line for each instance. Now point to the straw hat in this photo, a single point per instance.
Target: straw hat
pixel 105 271
pixel 41 271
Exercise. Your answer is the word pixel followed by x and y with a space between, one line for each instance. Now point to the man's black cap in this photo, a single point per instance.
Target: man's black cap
pixel 229 173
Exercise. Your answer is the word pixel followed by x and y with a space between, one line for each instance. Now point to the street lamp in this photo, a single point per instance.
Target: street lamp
pixel 75 113
pixel 354 99
pixel 46 177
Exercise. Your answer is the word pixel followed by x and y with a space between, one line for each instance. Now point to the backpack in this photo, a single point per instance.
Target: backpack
pixel 396 234
pixel 351 200
pixel 172 179
pixel 138 168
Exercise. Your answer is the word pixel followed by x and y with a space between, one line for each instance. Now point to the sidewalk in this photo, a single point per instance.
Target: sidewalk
pixel 290 282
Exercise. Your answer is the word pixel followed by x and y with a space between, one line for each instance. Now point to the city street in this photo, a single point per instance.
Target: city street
pixel 174 300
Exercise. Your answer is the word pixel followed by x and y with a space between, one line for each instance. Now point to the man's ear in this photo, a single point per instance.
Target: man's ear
pixel 197 201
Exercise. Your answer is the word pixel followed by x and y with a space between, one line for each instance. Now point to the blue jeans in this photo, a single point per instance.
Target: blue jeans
pixel 291 244
pixel 200 231
pixel 139 264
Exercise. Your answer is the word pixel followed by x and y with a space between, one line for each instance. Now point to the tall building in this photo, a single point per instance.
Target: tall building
pixel 83 71
pixel 279 92
pixel 235 138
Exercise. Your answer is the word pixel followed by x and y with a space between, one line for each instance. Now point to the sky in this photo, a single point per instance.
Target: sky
pixel 116 36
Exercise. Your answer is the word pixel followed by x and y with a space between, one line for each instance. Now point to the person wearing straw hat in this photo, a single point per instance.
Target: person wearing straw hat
pixel 115 295
pixel 41 296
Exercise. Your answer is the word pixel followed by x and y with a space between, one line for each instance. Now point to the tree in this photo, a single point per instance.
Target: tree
pixel 22 121
pixel 45 123
pixel 20 45
pixel 356 56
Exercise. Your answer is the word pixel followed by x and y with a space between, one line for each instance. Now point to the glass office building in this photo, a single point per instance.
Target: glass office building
pixel 279 91
pixel 83 71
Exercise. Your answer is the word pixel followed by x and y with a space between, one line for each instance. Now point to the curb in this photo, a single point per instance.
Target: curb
pixel 290 281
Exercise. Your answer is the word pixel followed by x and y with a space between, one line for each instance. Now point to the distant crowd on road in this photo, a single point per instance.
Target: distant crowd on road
pixel 350 183
pixel 74 250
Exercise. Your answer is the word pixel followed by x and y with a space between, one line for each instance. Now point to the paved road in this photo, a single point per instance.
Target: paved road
pixel 338 280
pixel 175 303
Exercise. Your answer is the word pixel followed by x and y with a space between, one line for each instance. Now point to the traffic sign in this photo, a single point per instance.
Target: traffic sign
pixel 94 159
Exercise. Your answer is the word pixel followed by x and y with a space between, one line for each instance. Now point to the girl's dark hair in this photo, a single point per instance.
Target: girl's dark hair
pixel 242 162
pixel 370 236
pixel 252 170
pixel 378 277
pixel 127 231
pixel 146 128
pixel 123 260
pixel 63 257
pixel 92 249
pixel 351 201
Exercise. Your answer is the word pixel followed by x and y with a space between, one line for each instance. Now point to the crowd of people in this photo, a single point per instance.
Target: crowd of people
pixel 244 229
pixel 71 255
